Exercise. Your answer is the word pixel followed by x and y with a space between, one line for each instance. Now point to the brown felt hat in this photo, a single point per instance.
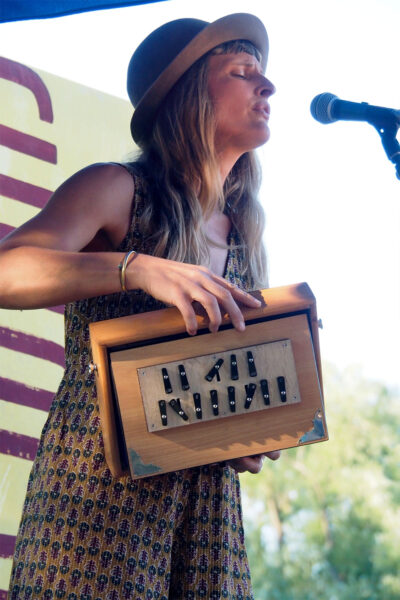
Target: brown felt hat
pixel 169 51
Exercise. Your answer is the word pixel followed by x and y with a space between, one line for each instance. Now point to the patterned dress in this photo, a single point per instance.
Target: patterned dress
pixel 85 535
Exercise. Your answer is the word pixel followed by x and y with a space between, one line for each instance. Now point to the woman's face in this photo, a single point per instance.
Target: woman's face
pixel 239 92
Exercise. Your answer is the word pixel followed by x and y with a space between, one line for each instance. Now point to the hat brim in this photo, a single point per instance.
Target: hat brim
pixel 238 26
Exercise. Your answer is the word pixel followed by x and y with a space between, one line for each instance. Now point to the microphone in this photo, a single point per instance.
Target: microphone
pixel 328 108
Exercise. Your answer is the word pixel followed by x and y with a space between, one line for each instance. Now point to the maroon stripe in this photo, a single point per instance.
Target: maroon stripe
pixel 16 444
pixel 13 391
pixel 23 75
pixel 7 544
pixel 3 593
pixel 24 192
pixel 28 144
pixel 5 230
pixel 30 344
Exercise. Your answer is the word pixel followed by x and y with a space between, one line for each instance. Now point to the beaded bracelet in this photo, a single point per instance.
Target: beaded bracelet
pixel 122 267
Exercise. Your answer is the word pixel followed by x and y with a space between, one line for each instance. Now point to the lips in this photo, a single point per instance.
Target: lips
pixel 263 108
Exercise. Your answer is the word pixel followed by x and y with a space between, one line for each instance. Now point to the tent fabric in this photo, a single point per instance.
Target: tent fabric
pixel 20 10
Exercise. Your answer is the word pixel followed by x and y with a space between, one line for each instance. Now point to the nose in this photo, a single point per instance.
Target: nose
pixel 265 88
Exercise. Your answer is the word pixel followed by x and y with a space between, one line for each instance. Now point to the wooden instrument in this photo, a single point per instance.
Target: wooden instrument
pixel 170 401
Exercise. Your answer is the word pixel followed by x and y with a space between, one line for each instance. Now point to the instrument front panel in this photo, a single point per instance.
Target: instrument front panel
pixel 224 436
pixel 234 382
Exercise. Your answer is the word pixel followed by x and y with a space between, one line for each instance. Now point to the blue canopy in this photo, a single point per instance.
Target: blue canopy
pixel 19 10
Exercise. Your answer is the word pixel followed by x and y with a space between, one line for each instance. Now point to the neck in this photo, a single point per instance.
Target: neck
pixel 226 161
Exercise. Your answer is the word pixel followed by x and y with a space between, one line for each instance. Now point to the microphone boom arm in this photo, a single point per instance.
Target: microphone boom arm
pixel 328 108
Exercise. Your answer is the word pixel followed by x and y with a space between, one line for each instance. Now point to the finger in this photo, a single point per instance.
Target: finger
pixel 212 291
pixel 211 305
pixel 185 307
pixel 253 464
pixel 273 455
pixel 227 301
pixel 228 295
pixel 239 294
pixel 245 298
pixel 215 297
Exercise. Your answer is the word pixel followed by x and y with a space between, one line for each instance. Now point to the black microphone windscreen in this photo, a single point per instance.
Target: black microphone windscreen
pixel 320 107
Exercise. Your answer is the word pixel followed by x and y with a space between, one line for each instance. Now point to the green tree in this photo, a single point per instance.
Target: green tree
pixel 323 523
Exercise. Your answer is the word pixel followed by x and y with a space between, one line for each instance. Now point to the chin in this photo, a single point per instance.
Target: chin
pixel 265 137
pixel 259 139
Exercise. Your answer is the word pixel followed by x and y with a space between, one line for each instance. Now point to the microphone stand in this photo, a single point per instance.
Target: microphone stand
pixel 387 130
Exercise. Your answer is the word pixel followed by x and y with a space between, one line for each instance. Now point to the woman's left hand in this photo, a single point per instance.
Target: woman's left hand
pixel 252 464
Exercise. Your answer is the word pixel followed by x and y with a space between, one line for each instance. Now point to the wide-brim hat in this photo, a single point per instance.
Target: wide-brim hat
pixel 169 51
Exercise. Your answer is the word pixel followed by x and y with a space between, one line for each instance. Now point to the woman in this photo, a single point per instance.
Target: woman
pixel 187 208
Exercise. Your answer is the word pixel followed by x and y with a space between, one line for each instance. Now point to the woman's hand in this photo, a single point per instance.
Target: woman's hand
pixel 181 284
pixel 252 464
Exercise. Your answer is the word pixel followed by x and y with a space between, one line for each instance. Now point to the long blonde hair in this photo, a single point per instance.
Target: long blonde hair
pixel 180 166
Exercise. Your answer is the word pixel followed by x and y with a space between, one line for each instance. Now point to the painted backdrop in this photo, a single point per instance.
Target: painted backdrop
pixel 49 128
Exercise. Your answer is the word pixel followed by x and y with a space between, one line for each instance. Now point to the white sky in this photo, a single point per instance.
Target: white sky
pixel 331 196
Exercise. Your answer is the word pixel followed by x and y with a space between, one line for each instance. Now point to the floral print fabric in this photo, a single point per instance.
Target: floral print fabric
pixel 85 535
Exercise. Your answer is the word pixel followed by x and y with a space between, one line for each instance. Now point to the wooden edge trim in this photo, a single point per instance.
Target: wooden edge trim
pixel 104 391
pixel 131 328
pixel 168 321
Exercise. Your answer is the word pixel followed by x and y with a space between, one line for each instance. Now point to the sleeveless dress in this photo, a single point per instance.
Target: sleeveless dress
pixel 85 535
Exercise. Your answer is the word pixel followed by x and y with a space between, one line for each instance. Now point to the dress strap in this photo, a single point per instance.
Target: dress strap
pixel 133 239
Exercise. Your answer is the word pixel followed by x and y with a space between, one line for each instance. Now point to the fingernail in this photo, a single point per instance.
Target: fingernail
pixel 241 326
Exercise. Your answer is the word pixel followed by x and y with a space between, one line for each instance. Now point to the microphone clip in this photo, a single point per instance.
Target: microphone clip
pixel 388 135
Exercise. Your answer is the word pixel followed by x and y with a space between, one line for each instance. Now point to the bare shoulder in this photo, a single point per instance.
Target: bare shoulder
pixel 104 193
pixel 97 198
pixel 98 183
pixel 103 174
pixel 105 188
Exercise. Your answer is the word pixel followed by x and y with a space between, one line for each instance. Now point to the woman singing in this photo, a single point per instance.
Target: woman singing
pixel 179 225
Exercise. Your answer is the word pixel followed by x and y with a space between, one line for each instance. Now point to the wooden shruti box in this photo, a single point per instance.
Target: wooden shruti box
pixel 170 401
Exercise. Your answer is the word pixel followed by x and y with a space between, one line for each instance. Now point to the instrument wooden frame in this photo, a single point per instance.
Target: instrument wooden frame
pixel 287 312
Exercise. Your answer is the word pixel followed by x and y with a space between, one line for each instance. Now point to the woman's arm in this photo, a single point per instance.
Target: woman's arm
pixel 41 263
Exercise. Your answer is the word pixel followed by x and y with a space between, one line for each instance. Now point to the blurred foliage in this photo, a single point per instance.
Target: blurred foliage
pixel 323 522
